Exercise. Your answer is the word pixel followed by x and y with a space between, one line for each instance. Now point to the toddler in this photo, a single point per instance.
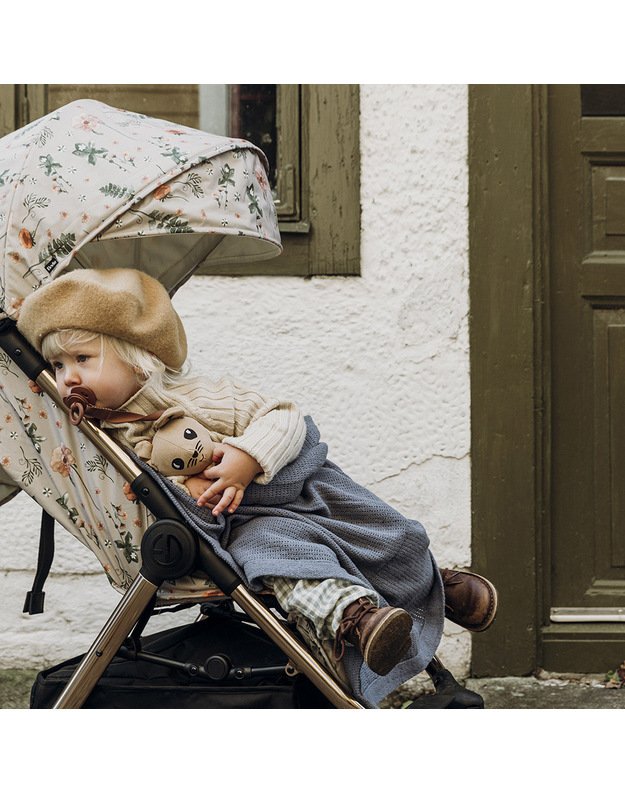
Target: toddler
pixel 116 333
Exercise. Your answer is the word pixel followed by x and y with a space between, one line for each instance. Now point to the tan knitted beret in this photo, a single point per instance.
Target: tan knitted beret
pixel 120 302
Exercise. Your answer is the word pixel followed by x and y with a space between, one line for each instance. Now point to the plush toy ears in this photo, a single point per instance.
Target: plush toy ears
pixel 144 448
pixel 167 416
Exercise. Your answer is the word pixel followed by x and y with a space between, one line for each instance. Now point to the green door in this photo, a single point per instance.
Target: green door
pixel 585 591
pixel 547 288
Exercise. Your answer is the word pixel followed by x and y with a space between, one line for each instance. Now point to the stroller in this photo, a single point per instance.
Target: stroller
pixel 89 186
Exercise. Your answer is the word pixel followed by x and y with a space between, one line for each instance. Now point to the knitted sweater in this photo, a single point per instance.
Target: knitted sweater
pixel 270 430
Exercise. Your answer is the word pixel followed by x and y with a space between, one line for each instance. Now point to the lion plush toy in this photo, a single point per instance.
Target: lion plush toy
pixel 180 447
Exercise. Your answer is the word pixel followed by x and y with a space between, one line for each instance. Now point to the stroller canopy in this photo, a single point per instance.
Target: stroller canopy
pixel 89 185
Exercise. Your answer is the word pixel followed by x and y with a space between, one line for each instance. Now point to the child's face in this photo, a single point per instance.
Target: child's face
pixel 100 369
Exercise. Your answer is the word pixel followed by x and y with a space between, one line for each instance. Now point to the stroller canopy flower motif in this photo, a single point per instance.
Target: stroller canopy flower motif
pixel 93 186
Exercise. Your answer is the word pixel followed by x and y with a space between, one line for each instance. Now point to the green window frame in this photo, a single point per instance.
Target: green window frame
pixel 318 190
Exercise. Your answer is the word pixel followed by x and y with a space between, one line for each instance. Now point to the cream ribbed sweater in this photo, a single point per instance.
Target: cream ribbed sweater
pixel 271 431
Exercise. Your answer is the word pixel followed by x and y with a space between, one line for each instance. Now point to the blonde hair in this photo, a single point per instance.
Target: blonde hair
pixel 149 368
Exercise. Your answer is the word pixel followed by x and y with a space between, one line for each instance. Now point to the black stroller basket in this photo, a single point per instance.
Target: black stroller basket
pixel 170 549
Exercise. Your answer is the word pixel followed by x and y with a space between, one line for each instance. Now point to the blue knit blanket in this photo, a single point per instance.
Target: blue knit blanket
pixel 312 521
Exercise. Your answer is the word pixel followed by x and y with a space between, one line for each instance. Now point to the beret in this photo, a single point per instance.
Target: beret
pixel 120 302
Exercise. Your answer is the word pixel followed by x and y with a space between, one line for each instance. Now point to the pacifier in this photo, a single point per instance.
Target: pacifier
pixel 79 400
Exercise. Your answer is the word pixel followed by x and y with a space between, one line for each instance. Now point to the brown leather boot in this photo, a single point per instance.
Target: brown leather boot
pixel 470 599
pixel 382 634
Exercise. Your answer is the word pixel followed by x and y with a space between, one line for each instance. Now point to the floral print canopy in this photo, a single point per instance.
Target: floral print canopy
pixel 93 186
pixel 90 185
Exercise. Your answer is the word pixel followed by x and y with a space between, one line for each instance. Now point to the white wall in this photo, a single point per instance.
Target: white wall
pixel 381 362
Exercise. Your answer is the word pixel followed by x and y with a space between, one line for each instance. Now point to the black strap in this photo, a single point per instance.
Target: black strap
pixel 35 597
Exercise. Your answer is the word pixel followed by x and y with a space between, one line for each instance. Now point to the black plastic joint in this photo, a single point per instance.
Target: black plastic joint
pixel 153 497
pixel 168 551
pixel 158 503
pixel 19 350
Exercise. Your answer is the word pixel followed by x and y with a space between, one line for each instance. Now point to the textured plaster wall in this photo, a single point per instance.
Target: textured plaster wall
pixel 380 361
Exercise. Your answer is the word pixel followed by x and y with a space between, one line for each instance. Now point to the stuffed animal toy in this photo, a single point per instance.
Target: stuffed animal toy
pixel 180 447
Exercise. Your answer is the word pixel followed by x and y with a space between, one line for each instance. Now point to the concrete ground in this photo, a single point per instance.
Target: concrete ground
pixel 545 691
pixel 548 691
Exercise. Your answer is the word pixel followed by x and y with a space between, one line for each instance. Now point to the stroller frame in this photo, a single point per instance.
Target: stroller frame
pixel 220 196
pixel 170 549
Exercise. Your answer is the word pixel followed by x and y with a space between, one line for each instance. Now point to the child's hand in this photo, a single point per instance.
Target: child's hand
pixel 233 471
pixel 196 485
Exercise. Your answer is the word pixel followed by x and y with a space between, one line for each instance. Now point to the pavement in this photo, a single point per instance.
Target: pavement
pixel 548 691
pixel 543 691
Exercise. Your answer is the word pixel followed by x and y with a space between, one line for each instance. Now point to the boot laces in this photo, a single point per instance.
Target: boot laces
pixel 349 624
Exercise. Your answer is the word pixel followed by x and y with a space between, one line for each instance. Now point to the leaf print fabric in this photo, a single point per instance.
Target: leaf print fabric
pixel 93 184
pixel 61 469
pixel 89 173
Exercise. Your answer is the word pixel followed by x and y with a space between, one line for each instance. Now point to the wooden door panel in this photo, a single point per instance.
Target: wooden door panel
pixel 587 305
pixel 572 383
pixel 608 578
pixel 602 143
pixel 547 250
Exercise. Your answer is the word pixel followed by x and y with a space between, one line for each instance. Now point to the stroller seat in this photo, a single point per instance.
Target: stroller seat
pixel 166 561
pixel 66 460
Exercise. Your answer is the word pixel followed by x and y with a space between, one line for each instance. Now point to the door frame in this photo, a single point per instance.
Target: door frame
pixel 508 264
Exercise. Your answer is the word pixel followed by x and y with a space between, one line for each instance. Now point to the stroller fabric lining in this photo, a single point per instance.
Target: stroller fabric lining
pixel 172 261
pixel 53 461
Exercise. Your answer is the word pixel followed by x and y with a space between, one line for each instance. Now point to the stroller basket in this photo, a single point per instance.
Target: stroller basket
pixel 202 665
